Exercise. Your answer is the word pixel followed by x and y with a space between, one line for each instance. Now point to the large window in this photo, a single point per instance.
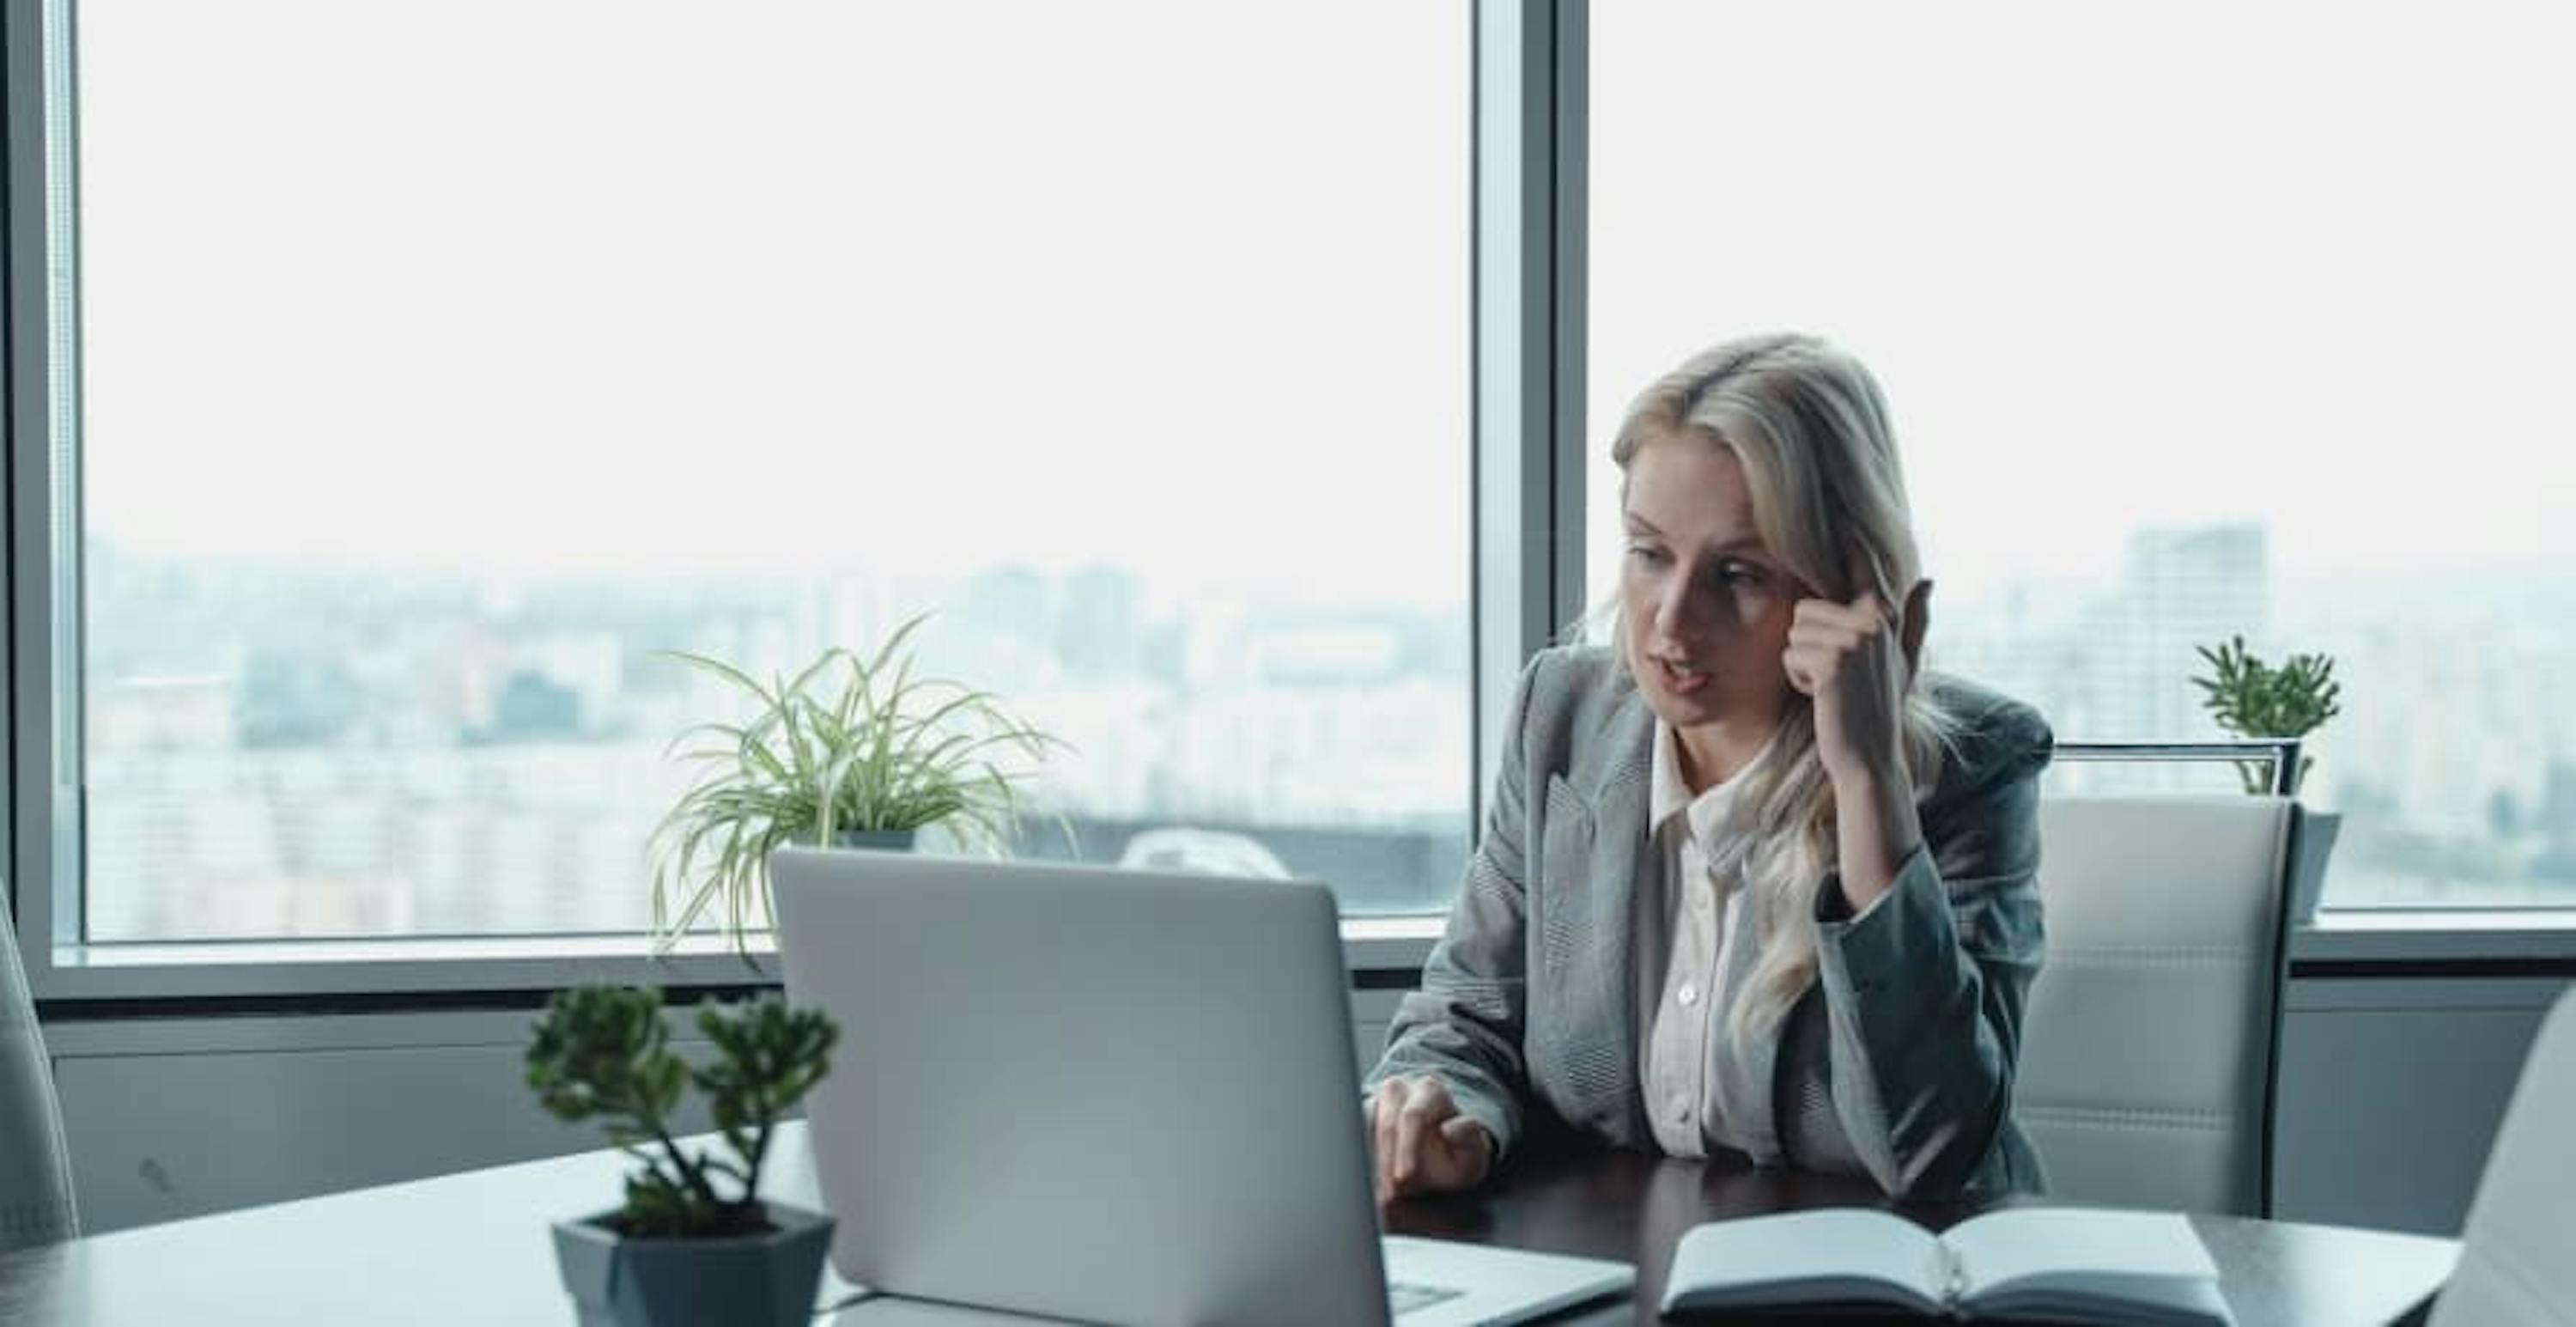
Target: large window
pixel 440 363
pixel 2196 320
pixel 391 383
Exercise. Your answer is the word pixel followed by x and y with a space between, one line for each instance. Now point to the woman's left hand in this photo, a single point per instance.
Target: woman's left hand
pixel 1854 663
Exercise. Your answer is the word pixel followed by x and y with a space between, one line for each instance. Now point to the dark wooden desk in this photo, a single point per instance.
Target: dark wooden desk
pixel 473 1248
pixel 1632 1207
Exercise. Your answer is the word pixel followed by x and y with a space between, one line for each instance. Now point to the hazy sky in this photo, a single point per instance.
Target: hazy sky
pixel 2306 263
pixel 907 287
pixel 524 283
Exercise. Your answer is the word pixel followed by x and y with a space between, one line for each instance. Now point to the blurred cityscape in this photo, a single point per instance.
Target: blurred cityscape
pixel 278 750
pixel 2453 761
pixel 281 750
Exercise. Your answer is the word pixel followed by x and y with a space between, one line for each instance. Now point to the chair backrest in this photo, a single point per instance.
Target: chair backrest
pixel 35 1172
pixel 2151 1038
pixel 2517 1263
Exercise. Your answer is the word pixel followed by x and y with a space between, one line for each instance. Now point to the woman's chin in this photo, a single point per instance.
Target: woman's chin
pixel 1683 708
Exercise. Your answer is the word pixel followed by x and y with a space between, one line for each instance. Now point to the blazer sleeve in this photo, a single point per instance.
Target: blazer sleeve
pixel 1924 989
pixel 1465 1023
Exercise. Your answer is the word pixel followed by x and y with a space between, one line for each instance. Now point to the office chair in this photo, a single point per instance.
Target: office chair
pixel 2517 1262
pixel 2151 1038
pixel 35 1172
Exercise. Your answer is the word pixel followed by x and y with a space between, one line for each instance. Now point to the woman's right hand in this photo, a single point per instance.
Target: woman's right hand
pixel 1420 1141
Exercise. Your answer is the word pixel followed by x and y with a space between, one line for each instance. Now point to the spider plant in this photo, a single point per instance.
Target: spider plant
pixel 849 745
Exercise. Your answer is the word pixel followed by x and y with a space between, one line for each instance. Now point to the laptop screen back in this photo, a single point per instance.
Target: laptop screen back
pixel 1118 1096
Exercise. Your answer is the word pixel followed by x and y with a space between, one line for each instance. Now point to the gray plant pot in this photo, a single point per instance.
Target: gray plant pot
pixel 883 840
pixel 754 1280
pixel 2312 836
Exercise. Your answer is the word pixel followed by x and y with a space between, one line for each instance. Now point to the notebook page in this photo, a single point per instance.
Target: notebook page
pixel 1836 1254
pixel 2160 1301
pixel 2023 1247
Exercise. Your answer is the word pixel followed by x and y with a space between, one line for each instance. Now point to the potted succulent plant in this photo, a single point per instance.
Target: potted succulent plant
pixel 852 752
pixel 2253 699
pixel 681 1251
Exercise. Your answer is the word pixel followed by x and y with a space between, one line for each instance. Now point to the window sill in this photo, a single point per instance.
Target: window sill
pixel 455 972
pixel 1381 952
pixel 2396 942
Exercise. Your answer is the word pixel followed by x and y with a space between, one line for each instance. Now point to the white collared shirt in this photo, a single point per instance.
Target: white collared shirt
pixel 1705 890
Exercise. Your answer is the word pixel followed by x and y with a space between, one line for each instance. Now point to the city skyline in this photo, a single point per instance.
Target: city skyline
pixel 415 752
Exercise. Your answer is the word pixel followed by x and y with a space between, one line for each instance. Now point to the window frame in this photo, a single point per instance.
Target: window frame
pixel 1525 472
pixel 1529 203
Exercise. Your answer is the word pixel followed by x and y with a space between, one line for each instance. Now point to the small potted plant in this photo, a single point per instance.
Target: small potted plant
pixel 851 752
pixel 682 1250
pixel 2253 699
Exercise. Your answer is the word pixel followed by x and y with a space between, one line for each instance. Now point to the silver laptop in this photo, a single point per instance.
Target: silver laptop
pixel 1109 1095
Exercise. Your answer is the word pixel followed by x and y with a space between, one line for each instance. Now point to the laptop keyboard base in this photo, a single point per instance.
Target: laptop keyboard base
pixel 1403 1299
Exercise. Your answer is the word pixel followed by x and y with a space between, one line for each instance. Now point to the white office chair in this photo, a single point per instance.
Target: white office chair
pixel 2518 1251
pixel 35 1172
pixel 2149 1044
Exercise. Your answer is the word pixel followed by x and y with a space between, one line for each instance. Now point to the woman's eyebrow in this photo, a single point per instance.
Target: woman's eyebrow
pixel 1743 543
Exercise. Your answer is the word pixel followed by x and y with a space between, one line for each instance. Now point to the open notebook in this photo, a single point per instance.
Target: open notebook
pixel 2026 1263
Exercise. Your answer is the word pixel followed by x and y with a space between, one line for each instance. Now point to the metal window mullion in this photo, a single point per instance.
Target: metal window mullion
pixel 45 899
pixel 67 829
pixel 1569 203
pixel 1528 351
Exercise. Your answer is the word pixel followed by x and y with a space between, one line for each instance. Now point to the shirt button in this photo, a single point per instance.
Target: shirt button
pixel 1689 994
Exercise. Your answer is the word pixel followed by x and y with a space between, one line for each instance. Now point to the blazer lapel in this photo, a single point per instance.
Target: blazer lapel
pixel 1617 785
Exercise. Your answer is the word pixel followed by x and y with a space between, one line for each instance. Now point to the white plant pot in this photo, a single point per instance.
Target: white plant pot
pixel 2312 837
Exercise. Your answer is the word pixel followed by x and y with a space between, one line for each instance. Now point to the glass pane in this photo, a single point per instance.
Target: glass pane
pixel 445 362
pixel 2196 320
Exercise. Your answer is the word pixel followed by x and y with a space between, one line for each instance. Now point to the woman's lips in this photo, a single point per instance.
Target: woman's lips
pixel 1678 680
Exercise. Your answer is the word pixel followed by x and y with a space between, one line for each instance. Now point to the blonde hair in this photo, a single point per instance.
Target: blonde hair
pixel 1807 422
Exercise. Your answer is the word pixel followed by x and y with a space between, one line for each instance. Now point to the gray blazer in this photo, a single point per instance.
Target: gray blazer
pixel 1530 1005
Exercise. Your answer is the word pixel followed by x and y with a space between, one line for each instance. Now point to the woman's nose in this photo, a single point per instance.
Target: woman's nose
pixel 1674 617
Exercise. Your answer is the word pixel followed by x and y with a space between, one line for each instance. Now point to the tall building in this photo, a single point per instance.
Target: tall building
pixel 2181 588
pixel 1098 629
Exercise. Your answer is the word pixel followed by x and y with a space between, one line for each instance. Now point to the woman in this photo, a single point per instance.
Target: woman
pixel 1747 882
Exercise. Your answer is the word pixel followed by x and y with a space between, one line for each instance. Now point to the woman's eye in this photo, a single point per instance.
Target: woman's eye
pixel 1740 574
pixel 1645 553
